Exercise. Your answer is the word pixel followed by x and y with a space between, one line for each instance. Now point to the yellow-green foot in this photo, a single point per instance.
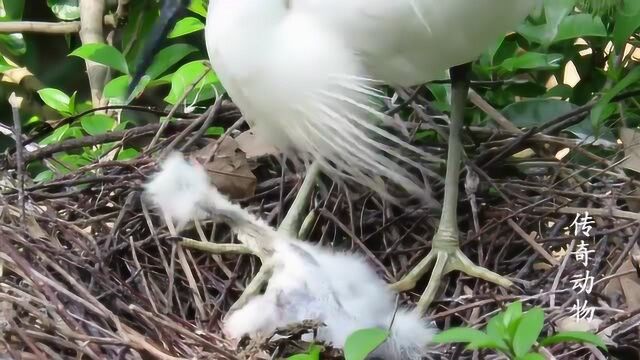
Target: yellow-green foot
pixel 445 261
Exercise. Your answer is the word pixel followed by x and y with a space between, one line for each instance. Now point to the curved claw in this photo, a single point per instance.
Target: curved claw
pixel 446 260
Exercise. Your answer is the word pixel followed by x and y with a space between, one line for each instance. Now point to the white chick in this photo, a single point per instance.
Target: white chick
pixel 338 289
pixel 308 282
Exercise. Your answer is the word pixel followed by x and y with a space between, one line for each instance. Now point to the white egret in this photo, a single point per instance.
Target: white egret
pixel 303 73
pixel 308 282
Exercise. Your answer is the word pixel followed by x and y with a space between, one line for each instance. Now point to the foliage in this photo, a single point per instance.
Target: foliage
pixel 525 70
pixel 357 346
pixel 515 334
pixel 312 354
pixel 554 38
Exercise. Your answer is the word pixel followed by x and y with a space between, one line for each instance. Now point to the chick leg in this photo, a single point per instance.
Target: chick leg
pixel 445 253
pixel 289 228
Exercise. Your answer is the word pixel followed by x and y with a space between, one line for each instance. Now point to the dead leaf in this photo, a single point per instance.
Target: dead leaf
pixel 542 266
pixel 560 254
pixel 7 313
pixel 633 201
pixel 254 146
pixel 228 170
pixel 34 229
pixel 569 323
pixel 631 140
pixel 627 285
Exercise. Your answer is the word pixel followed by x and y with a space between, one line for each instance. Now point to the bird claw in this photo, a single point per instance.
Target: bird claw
pixel 445 260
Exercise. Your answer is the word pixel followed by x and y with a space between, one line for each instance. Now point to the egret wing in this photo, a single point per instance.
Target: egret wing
pixel 408 42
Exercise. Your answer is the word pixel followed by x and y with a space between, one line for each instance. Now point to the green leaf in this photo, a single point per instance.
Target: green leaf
pixel 459 335
pixel 580 25
pixel 496 328
pixel 74 161
pixel 215 131
pixel 532 60
pixel 555 12
pixel 597 112
pixel 56 100
pixel 14 44
pixel 32 120
pixel 186 26
pixel 44 176
pixel 168 57
pixel 534 112
pixel 56 136
pixel 127 154
pixel 103 54
pixel 4 65
pixel 97 124
pixel 302 357
pixel 362 342
pixel 488 343
pixel 73 132
pixel 512 314
pixel 574 336
pixel 117 88
pixel 312 354
pixel 199 7
pixel 187 75
pixel 528 331
pixel 65 9
pixel 563 91
pixel 62 133
pixel 13 9
pixel 531 356
pixel 441 94
pixel 627 21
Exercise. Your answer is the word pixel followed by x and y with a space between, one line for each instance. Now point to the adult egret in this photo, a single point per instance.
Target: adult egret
pixel 303 73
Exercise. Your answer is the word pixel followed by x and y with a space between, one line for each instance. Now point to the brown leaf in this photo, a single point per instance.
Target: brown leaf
pixel 631 140
pixel 627 285
pixel 254 146
pixel 7 313
pixel 569 323
pixel 228 170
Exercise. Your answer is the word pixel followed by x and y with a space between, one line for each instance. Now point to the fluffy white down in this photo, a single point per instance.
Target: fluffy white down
pixel 309 282
pixel 304 72
pixel 178 189
pixel 339 289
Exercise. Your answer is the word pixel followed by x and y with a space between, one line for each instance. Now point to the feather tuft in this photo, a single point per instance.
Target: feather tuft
pixel 178 188
pixel 310 283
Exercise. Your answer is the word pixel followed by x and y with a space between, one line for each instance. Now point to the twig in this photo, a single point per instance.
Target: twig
pixel 215 248
pixel 595 212
pixel 47 28
pixel 537 247
pixel 94 140
pixel 556 280
pixel 166 120
pixel 17 124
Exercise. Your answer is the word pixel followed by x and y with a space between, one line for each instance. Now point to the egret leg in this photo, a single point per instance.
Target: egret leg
pixel 445 253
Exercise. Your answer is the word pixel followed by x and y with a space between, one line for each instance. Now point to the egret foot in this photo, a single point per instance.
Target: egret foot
pixel 446 257
pixel 445 253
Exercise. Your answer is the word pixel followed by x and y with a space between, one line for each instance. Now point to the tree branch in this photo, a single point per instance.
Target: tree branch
pixel 91 31
pixel 43 27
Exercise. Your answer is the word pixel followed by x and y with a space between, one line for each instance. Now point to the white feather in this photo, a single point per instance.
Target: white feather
pixel 302 71
pixel 309 282
pixel 339 289
pixel 178 188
